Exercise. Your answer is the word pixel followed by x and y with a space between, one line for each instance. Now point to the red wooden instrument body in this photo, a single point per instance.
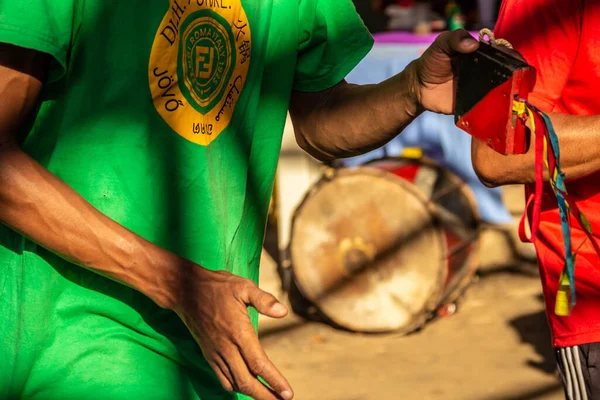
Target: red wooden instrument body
pixel 489 81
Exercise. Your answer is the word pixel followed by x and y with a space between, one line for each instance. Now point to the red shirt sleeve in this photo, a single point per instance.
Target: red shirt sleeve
pixel 546 33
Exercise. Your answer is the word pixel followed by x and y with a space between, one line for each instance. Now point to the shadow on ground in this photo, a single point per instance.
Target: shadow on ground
pixel 533 329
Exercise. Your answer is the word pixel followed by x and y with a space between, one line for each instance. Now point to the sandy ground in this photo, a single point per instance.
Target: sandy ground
pixel 497 345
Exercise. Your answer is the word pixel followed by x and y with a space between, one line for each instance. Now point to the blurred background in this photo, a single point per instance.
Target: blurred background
pixel 405 275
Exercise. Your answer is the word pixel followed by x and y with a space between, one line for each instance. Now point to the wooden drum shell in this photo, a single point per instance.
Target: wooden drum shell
pixel 381 247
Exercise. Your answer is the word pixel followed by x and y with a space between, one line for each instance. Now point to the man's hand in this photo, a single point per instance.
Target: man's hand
pixel 433 75
pixel 214 308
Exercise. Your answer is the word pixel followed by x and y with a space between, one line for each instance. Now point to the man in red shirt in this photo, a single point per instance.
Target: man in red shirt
pixel 560 39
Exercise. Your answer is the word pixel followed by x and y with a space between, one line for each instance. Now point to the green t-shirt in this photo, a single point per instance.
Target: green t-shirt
pixel 167 116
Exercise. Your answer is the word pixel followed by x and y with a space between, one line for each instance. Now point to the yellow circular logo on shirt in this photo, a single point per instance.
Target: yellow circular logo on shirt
pixel 198 66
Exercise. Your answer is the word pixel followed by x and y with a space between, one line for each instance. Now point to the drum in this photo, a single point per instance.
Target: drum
pixel 381 247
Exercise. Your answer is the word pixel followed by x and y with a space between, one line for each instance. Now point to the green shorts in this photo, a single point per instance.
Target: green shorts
pixel 69 334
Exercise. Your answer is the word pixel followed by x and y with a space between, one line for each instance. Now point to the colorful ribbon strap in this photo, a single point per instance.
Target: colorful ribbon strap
pixel 547 153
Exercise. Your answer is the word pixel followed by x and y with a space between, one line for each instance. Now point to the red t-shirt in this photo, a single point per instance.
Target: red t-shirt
pixel 561 39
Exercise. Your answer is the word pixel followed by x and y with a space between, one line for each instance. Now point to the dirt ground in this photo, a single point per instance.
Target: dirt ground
pixel 497 345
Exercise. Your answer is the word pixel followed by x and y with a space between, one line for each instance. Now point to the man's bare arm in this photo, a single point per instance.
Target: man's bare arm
pixel 37 204
pixel 348 120
pixel 579 139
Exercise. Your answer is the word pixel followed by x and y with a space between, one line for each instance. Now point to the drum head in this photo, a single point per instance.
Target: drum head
pixel 366 251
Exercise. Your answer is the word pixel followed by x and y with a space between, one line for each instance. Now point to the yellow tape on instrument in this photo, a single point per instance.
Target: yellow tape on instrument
pixel 413 152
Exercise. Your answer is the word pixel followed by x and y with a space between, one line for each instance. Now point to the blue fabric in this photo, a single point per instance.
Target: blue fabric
pixel 436 134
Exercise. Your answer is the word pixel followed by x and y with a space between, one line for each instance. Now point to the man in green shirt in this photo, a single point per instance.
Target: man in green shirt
pixel 138 147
